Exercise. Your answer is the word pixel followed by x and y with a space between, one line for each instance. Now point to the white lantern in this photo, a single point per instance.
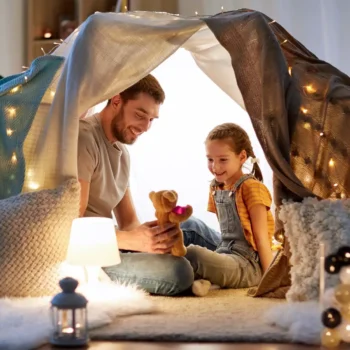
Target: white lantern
pixel 69 316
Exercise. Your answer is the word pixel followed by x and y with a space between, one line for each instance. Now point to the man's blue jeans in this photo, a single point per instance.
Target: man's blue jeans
pixel 164 274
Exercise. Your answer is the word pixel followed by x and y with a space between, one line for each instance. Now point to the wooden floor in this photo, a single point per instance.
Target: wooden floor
pixel 193 346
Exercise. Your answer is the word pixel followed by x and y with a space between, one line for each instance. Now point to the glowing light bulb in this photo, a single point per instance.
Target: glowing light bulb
pixel 9 132
pixel 342 293
pixel 11 111
pixel 15 89
pixel 344 274
pixel 345 312
pixel 308 179
pixel 14 158
pixel 330 338
pixel 321 134
pixel 310 89
pixel 196 13
pixel 290 70
pixel 344 332
pixel 331 163
pixel 279 237
pixel 33 185
pixel 125 8
pixel 284 41
pixel 222 9
pixel 335 185
pixel 304 110
pixel 307 126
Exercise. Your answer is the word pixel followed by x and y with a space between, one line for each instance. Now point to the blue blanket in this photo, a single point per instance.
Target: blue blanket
pixel 20 97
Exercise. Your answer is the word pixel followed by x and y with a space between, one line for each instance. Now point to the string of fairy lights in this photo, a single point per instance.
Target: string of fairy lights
pixel 11 114
pixel 309 89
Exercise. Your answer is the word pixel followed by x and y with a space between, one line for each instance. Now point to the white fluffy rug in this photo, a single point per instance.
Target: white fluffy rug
pixel 301 320
pixel 26 323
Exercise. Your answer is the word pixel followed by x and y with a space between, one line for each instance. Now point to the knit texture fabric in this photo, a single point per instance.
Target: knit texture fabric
pixel 308 224
pixel 34 237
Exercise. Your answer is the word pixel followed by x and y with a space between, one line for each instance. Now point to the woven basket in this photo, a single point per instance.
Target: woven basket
pixel 34 237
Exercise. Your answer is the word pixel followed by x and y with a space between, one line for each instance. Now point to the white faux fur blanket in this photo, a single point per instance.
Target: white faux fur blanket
pixel 302 320
pixel 26 323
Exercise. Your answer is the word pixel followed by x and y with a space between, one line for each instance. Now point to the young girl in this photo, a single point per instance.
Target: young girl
pixel 242 205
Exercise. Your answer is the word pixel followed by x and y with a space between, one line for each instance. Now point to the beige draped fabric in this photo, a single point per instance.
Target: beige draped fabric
pixel 107 53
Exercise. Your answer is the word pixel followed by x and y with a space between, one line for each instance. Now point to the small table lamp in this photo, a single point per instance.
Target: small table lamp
pixel 93 244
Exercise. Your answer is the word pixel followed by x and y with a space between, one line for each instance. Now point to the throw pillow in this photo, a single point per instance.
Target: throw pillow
pixel 34 237
pixel 307 224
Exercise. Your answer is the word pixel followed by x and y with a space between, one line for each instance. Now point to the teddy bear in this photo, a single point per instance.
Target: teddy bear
pixel 167 211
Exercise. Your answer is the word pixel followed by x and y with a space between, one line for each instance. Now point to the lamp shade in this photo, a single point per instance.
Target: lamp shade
pixel 93 242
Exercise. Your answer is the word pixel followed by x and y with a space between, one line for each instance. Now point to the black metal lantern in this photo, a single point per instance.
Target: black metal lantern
pixel 69 316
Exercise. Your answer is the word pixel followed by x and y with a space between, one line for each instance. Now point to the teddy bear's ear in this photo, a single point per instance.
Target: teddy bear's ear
pixel 170 196
pixel 151 195
pixel 174 193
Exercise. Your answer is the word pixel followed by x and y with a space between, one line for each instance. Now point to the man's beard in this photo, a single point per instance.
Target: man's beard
pixel 119 131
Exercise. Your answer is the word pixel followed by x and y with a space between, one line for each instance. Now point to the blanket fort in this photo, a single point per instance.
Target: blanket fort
pixel 298 105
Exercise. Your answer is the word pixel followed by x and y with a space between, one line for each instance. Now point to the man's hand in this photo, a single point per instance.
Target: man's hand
pixel 151 238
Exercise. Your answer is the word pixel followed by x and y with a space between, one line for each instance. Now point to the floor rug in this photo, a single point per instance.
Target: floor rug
pixel 25 323
pixel 302 320
pixel 221 316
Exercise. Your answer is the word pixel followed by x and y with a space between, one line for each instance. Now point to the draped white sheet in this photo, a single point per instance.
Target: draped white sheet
pixel 172 154
pixel 111 52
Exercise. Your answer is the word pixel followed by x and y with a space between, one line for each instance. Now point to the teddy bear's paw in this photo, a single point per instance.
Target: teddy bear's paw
pixel 200 288
pixel 179 251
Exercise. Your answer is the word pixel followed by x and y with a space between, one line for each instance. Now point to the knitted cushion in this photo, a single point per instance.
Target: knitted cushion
pixel 34 237
pixel 307 224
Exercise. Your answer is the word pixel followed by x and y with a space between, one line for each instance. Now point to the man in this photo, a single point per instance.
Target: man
pixel 103 171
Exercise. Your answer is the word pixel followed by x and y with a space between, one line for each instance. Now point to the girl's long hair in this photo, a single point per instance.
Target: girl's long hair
pixel 238 140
